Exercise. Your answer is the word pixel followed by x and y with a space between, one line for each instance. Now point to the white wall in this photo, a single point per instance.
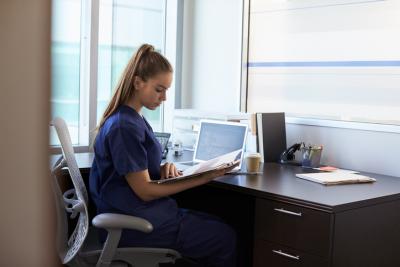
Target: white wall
pixel 211 55
pixel 26 204
pixel 369 151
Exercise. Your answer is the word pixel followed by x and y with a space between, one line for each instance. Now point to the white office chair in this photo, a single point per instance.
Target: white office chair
pixel 82 247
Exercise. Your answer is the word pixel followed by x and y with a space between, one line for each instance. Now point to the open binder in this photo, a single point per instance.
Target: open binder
pixel 334 178
pixel 221 162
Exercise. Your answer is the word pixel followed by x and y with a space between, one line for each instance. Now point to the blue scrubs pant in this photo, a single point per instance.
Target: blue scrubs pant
pixel 200 236
pixel 207 239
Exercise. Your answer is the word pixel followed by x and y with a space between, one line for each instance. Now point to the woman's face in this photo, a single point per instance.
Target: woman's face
pixel 153 92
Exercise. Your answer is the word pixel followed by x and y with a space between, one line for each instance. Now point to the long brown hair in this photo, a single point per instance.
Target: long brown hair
pixel 145 63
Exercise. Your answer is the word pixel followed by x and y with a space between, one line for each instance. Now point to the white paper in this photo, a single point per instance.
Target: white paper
pixel 336 170
pixel 212 163
pixel 205 166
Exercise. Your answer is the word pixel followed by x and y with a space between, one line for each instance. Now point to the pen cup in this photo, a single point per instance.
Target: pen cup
pixel 177 148
pixel 253 162
pixel 311 156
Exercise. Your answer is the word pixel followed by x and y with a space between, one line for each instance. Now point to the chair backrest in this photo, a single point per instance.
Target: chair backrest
pixel 73 201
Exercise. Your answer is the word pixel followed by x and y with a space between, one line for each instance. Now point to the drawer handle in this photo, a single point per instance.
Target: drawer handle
pixel 288 212
pixel 279 252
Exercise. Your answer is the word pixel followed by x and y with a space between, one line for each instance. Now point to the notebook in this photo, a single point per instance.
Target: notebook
pixel 217 138
pixel 334 178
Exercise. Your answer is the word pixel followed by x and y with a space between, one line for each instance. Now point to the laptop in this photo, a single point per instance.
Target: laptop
pixel 216 138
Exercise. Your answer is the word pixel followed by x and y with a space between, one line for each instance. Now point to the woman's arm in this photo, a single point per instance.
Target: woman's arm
pixel 140 184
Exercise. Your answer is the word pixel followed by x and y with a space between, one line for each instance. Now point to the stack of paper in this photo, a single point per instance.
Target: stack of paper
pixel 332 178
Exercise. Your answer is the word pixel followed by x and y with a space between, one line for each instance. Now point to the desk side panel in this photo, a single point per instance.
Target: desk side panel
pixel 368 236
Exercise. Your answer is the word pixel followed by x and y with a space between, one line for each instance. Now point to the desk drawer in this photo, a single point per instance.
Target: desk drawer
pixel 294 226
pixel 274 255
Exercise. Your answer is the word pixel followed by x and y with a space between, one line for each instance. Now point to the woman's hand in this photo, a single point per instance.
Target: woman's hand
pixel 220 171
pixel 169 170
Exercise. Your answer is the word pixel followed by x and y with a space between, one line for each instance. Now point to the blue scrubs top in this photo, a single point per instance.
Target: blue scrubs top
pixel 124 144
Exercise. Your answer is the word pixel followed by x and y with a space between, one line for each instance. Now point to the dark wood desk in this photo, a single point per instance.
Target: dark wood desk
pixel 294 222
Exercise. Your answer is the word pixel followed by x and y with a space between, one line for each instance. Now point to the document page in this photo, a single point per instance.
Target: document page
pixel 209 165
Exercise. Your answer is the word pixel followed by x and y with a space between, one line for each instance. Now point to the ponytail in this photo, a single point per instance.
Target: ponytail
pixel 145 63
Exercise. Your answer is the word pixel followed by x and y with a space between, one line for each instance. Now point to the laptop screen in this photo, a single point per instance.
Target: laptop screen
pixel 219 137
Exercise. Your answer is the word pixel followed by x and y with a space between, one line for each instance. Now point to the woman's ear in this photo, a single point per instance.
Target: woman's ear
pixel 138 83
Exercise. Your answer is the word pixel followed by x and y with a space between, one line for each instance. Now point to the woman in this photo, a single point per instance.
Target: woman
pixel 128 157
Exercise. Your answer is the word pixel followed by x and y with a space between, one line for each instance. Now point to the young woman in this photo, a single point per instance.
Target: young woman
pixel 128 157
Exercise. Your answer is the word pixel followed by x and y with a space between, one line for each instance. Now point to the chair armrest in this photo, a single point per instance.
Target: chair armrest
pixel 121 221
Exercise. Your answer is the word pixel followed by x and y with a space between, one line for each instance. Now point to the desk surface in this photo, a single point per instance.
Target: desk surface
pixel 278 182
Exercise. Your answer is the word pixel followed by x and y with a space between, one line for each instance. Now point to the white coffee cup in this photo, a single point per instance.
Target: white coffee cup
pixel 253 162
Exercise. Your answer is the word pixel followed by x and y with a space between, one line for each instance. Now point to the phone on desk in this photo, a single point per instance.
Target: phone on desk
pixel 163 138
pixel 288 157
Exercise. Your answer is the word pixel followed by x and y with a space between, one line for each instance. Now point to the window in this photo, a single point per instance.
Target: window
pixel 120 26
pixel 123 26
pixel 65 53
pixel 338 60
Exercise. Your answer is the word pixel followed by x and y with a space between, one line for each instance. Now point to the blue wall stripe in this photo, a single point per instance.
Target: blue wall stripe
pixel 379 63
